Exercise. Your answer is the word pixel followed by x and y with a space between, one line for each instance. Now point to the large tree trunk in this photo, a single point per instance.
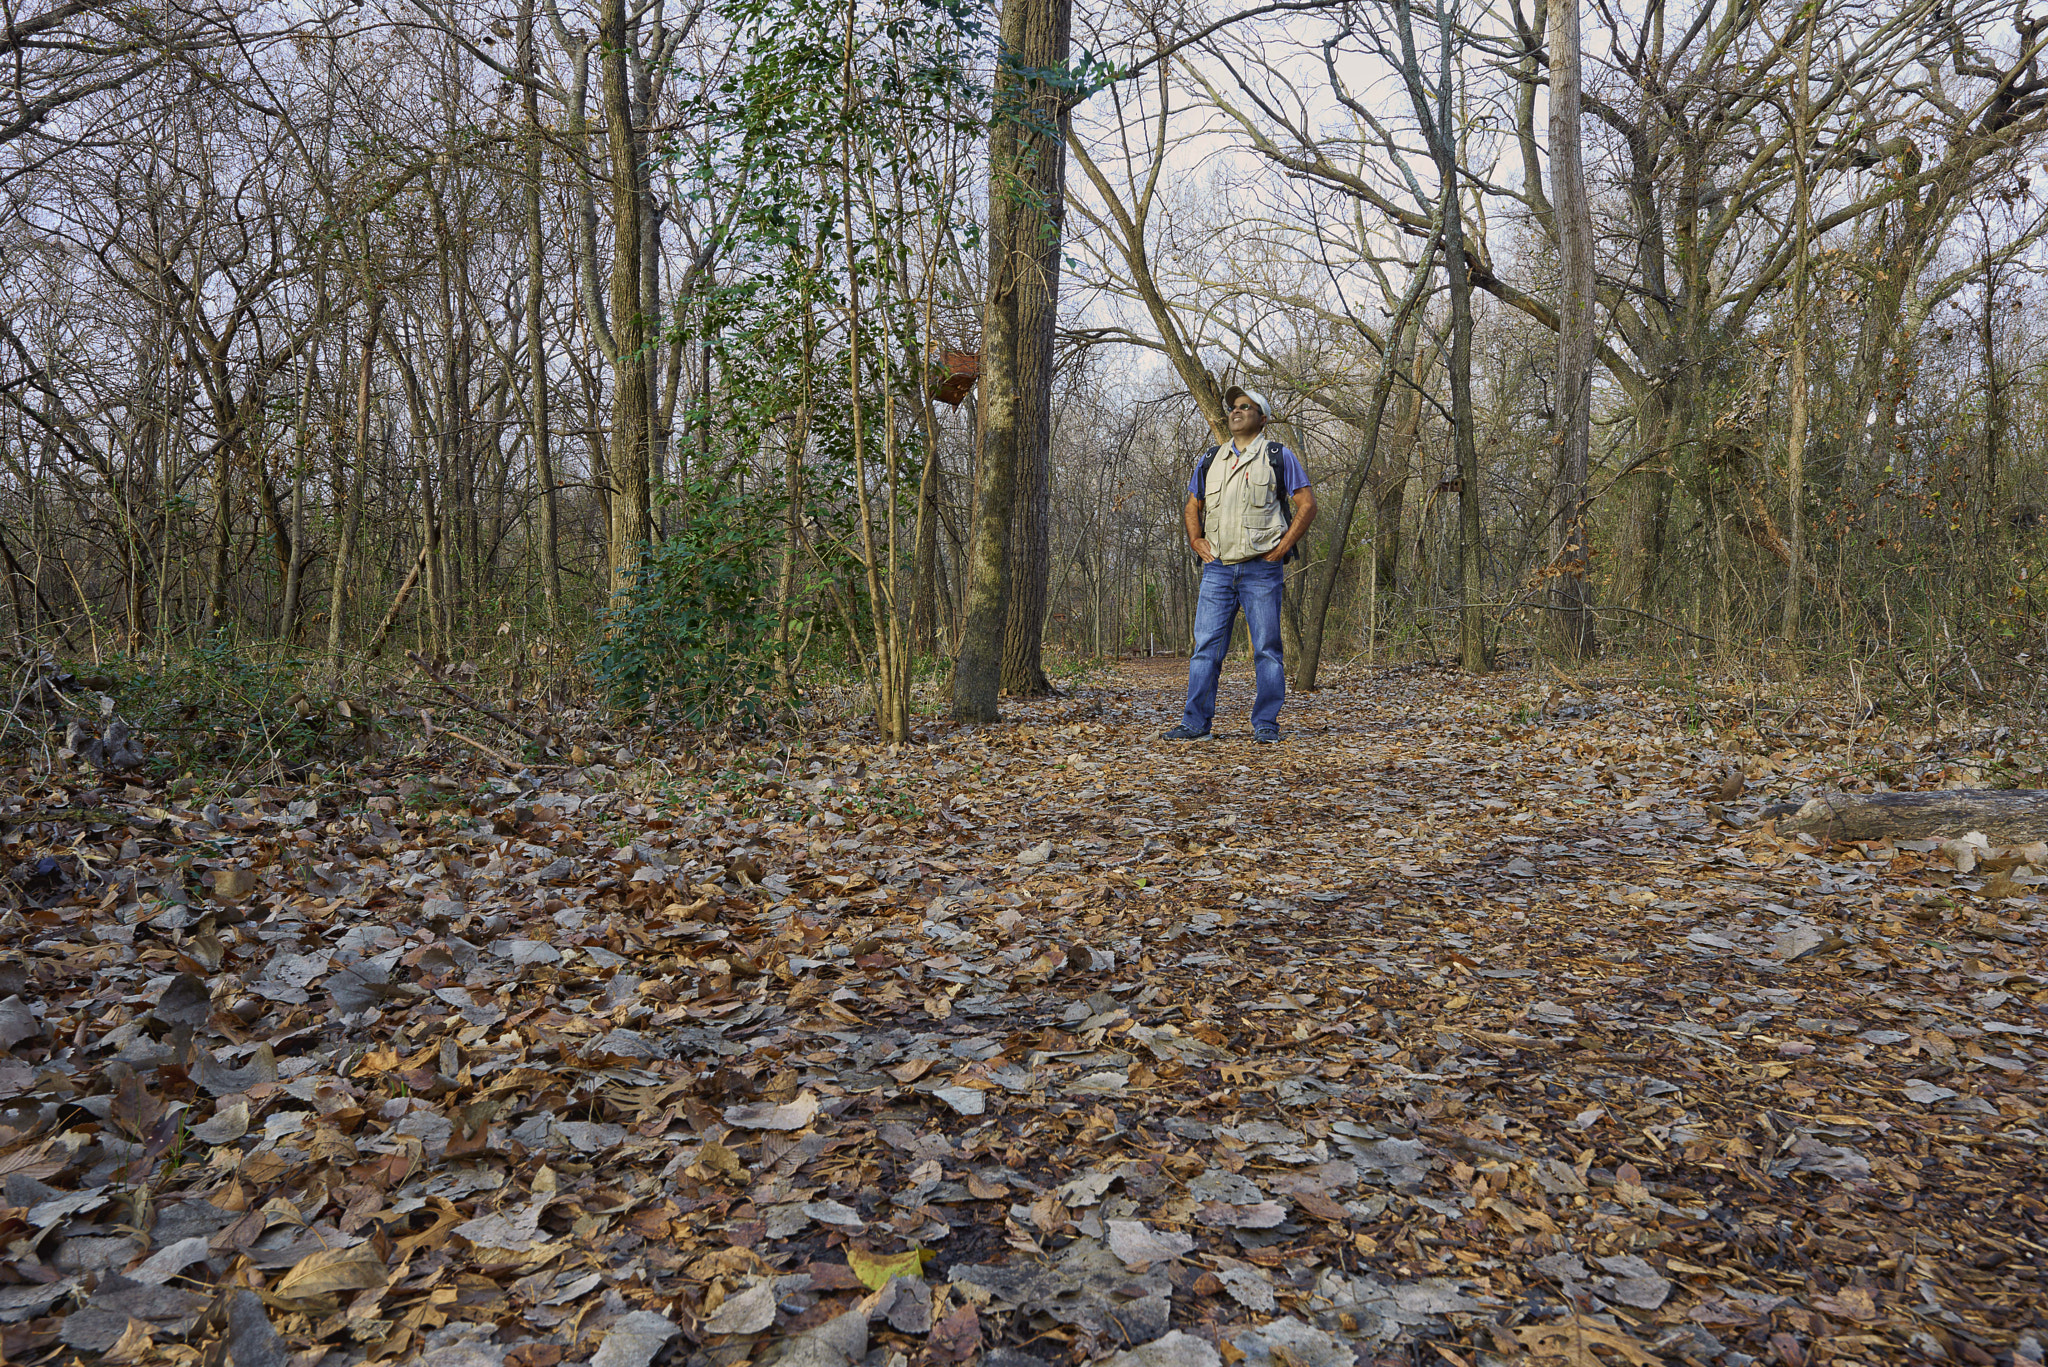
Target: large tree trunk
pixel 2006 817
pixel 1570 552
pixel 1031 529
pixel 1026 178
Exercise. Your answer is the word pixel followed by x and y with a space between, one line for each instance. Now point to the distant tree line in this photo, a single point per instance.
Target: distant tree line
pixel 874 336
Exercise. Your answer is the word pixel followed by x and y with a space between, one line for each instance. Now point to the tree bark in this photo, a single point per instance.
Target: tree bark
pixel 352 515
pixel 1574 214
pixel 924 604
pixel 1795 443
pixel 1390 482
pixel 1436 110
pixel 295 573
pixel 627 456
pixel 2006 817
pixel 1400 339
pixel 223 539
pixel 1031 530
pixel 536 353
pixel 1026 199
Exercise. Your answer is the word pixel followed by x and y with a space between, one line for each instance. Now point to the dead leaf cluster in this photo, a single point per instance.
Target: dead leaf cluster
pixel 1458 1019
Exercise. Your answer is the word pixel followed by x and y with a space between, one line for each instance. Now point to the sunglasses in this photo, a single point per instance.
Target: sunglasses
pixel 1244 408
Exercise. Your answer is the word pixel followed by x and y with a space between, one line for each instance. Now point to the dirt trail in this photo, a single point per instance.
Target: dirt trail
pixel 1454 1019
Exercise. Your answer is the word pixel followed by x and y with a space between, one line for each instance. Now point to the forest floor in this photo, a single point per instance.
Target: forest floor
pixel 1462 1026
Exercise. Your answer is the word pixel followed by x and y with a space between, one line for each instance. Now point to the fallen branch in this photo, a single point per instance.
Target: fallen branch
pixel 480 707
pixel 491 752
pixel 2006 817
pixel 412 576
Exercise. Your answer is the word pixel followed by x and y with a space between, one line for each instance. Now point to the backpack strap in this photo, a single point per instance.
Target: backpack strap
pixel 1202 483
pixel 1275 456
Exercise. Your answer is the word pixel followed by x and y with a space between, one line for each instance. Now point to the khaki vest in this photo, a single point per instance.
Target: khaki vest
pixel 1243 515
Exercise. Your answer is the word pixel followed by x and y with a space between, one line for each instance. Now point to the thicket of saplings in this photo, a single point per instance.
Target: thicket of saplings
pixel 1917 602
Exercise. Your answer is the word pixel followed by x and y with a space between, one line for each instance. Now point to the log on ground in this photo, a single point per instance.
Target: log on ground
pixel 2006 817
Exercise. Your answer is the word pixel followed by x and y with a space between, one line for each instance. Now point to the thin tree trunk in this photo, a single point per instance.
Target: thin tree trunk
pixel 793 495
pixel 924 606
pixel 295 573
pixel 1795 446
pixel 1393 474
pixel 1569 200
pixel 889 678
pixel 352 515
pixel 1436 108
pixel 792 533
pixel 1400 338
pixel 536 353
pixel 223 539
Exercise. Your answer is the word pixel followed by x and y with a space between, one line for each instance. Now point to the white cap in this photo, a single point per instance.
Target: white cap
pixel 1233 394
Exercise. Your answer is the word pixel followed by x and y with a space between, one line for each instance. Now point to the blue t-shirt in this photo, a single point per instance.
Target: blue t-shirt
pixel 1290 466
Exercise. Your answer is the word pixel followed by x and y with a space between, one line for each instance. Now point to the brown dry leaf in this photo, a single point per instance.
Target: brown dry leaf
pixel 136 1344
pixel 716 1161
pixel 1580 1342
pixel 335 1269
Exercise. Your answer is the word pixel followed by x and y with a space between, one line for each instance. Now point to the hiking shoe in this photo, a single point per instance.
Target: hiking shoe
pixel 1266 735
pixel 1182 733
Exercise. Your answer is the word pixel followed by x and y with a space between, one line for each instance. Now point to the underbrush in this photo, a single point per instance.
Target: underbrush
pixel 694 640
pixel 1891 734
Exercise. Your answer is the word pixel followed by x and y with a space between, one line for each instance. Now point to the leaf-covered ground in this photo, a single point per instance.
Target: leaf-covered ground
pixel 1461 1026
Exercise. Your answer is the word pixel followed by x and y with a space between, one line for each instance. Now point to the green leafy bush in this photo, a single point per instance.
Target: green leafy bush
pixel 222 710
pixel 692 638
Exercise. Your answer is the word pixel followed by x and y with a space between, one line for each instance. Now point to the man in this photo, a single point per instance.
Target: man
pixel 1238 522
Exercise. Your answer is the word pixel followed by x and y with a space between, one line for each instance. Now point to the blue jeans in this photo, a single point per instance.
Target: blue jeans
pixel 1253 585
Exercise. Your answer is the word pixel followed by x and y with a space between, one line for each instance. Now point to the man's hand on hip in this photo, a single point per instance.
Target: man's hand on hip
pixel 1275 556
pixel 1204 549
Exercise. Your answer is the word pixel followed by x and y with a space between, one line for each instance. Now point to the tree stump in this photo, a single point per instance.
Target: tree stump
pixel 2006 817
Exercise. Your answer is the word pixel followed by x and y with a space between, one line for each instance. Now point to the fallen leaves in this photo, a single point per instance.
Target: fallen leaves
pixel 1043 1038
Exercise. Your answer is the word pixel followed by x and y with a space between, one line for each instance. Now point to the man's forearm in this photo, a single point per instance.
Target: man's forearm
pixel 1304 516
pixel 1191 517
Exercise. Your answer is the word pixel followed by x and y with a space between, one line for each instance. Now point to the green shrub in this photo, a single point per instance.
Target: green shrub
pixel 222 711
pixel 692 638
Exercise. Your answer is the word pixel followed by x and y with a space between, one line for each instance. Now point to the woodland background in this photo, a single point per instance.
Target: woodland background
pixel 634 338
